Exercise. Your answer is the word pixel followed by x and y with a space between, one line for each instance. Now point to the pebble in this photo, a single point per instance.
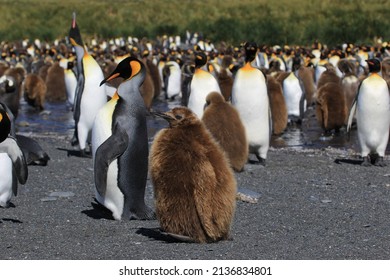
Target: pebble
pixel 247 195
pixel 46 199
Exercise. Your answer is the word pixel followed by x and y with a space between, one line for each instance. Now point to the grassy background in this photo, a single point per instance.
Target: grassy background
pixel 269 22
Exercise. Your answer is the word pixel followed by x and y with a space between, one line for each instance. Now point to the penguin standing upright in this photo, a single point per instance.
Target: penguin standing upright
pixel 120 146
pixel 55 83
pixel 202 84
pixel 224 123
pixel 295 98
pixel 194 186
pixel 250 97
pixel 10 93
pixel 372 106
pixel 278 105
pixel 34 91
pixel 5 125
pixel 70 80
pixel 173 79
pixel 13 167
pixel 89 96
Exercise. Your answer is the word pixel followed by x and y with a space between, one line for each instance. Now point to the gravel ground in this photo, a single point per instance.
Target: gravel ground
pixel 314 204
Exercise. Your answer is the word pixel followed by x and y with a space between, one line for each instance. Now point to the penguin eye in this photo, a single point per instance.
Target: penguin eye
pixel 178 117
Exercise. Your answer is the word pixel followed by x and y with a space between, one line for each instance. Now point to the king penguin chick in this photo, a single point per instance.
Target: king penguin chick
pixel 331 108
pixel 120 146
pixel 224 123
pixel 89 96
pixel 372 106
pixel 278 106
pixel 202 84
pixel 194 186
pixel 250 98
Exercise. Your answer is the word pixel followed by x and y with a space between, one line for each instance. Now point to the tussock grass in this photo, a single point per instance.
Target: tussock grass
pixel 268 22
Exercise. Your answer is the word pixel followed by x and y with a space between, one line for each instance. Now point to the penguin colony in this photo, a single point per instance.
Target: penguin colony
pixel 234 99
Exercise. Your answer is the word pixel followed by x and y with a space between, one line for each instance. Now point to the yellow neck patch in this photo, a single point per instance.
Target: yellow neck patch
pixel 247 66
pixel 1 117
pixel 115 96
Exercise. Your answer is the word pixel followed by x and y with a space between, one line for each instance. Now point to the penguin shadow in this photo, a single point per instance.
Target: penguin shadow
pixel 98 212
pixel 14 221
pixel 9 205
pixel 348 161
pixel 76 153
pixel 159 235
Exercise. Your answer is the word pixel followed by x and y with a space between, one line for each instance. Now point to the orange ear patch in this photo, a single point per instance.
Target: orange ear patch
pixel 136 67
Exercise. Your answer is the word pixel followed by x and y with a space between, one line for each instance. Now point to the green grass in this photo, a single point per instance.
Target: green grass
pixel 268 22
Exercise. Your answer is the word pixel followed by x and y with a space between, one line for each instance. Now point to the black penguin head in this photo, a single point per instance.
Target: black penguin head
pixel 179 117
pixel 250 51
pixel 74 33
pixel 5 125
pixel 126 69
pixel 200 59
pixel 296 63
pixel 145 53
pixel 374 65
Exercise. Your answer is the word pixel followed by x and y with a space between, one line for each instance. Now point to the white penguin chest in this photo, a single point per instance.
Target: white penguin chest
pixel 6 178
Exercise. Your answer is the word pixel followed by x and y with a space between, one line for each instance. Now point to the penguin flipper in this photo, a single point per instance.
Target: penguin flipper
pixel 203 200
pixel 351 115
pixel 107 152
pixel 11 147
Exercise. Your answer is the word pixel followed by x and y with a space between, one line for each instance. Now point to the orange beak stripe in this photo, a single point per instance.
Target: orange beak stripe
pixel 112 77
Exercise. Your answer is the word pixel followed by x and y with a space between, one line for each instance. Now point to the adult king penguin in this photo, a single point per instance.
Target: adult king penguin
pixel 250 97
pixel 5 125
pixel 120 146
pixel 372 106
pixel 202 84
pixel 13 167
pixel 89 97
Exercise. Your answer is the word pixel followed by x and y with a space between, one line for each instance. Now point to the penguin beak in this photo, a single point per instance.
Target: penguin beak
pixel 113 76
pixel 163 115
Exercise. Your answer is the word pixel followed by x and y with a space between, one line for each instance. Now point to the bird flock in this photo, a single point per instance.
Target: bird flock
pixel 235 96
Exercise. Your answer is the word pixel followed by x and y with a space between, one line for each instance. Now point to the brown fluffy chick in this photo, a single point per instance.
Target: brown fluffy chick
pixel 224 123
pixel 194 186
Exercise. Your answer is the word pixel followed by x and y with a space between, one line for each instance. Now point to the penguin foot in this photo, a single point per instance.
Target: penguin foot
pixel 366 162
pixel 74 141
pixel 261 160
pixel 85 154
pixel 178 237
pixel 145 213
pixel 380 162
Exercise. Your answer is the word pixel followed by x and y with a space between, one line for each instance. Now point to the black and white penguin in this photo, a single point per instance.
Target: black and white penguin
pixel 70 80
pixel 372 106
pixel 202 83
pixel 10 93
pixel 295 98
pixel 250 97
pixel 120 146
pixel 5 125
pixel 89 96
pixel 13 167
pixel 172 82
